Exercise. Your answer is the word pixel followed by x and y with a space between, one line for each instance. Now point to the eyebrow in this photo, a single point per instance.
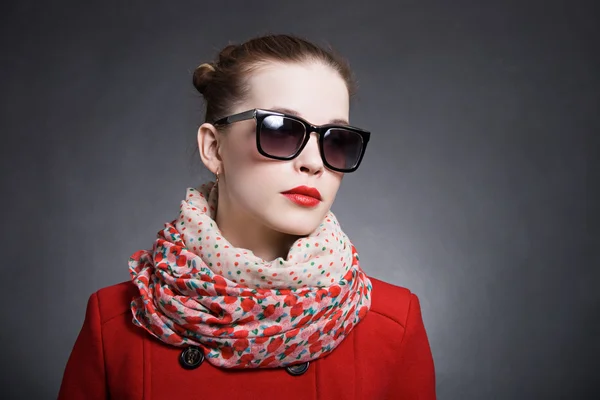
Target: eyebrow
pixel 284 110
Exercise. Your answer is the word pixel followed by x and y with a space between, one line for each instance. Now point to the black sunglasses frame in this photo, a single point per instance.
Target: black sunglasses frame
pixel 260 114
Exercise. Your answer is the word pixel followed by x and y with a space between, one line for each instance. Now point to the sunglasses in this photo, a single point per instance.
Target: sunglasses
pixel 283 137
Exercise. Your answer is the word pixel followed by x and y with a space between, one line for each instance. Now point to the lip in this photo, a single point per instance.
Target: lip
pixel 304 191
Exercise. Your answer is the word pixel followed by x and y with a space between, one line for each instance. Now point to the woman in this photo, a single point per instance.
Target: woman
pixel 254 290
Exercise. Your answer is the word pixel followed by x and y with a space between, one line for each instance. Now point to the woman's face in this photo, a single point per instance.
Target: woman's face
pixel 254 183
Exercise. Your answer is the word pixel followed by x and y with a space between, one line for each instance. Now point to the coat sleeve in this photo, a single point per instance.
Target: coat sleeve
pixel 416 377
pixel 85 375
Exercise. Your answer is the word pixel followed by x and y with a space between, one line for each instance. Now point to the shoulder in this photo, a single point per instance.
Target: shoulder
pixel 392 301
pixel 115 300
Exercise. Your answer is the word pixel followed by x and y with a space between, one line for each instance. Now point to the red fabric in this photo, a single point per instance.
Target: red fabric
pixel 387 356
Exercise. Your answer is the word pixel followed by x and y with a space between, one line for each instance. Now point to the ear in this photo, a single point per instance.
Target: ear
pixel 209 147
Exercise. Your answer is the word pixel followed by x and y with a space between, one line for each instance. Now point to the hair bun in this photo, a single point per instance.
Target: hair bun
pixel 228 55
pixel 202 76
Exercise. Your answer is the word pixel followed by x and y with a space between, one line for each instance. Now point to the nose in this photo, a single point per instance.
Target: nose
pixel 309 160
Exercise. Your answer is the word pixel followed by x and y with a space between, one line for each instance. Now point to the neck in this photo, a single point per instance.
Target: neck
pixel 243 231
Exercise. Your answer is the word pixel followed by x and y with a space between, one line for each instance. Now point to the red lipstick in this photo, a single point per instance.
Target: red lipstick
pixel 303 196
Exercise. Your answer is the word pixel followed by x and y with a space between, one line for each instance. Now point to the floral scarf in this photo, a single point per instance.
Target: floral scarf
pixel 195 288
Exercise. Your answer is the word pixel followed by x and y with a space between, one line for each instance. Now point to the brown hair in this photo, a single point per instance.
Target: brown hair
pixel 222 83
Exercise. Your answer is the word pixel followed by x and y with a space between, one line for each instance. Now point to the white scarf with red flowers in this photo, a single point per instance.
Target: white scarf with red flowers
pixel 195 288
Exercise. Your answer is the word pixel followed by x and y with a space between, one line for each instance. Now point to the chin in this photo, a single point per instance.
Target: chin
pixel 298 226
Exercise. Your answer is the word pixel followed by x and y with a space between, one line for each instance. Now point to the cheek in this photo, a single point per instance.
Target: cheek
pixel 251 177
pixel 239 152
pixel 248 164
pixel 244 163
pixel 333 186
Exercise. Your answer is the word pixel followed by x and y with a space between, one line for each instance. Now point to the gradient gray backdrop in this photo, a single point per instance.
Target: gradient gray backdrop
pixel 475 193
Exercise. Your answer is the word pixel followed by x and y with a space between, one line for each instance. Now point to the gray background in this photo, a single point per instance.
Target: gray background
pixel 476 190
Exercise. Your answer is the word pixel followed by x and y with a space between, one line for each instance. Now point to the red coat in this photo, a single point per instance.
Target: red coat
pixel 386 356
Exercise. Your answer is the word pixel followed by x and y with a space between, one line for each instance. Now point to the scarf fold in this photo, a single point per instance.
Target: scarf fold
pixel 195 288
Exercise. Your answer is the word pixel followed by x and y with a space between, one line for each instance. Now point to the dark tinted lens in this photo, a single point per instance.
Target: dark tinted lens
pixel 280 136
pixel 342 148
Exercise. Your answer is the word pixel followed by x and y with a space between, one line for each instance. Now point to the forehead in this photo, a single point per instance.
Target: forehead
pixel 315 91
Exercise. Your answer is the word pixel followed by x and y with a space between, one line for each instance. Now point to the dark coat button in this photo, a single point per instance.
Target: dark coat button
pixel 298 369
pixel 191 357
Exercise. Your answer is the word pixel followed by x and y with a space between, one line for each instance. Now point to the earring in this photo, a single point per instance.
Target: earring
pixel 217 178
